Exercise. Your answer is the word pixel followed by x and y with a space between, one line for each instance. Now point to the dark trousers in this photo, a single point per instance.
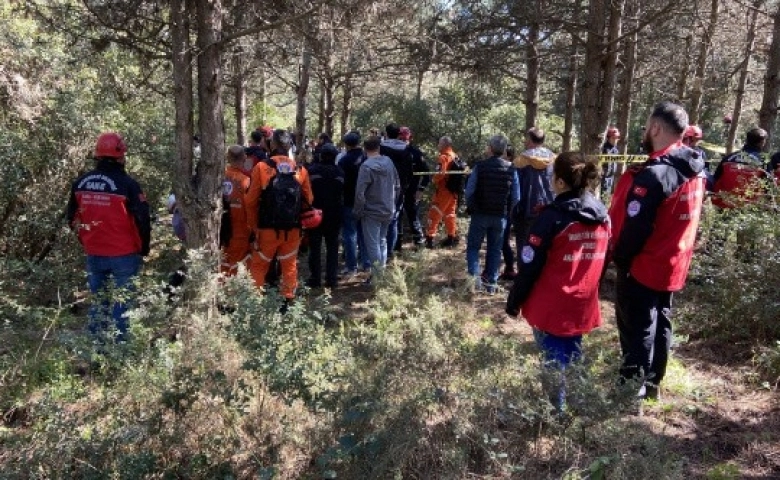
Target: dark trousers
pixel 645 327
pixel 411 209
pixel 331 238
pixel 506 248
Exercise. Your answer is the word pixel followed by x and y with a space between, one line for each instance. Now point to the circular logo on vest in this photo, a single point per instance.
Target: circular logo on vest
pixel 527 254
pixel 633 208
pixel 227 188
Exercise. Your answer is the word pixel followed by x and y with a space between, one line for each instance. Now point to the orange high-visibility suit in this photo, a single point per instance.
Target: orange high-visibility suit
pixel 270 242
pixel 235 187
pixel 444 201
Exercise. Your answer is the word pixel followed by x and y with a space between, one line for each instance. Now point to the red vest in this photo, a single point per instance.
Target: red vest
pixel 663 263
pixel 564 300
pixel 741 182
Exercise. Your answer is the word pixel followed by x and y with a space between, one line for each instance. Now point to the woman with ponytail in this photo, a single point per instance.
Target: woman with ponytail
pixel 560 265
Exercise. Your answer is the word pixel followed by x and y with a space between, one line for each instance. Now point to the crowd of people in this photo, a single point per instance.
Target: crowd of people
pixel 352 201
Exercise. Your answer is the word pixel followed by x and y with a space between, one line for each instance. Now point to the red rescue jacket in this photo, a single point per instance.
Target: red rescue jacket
pixel 561 263
pixel 655 213
pixel 109 211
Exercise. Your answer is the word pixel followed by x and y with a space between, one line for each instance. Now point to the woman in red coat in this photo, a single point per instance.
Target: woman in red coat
pixel 560 265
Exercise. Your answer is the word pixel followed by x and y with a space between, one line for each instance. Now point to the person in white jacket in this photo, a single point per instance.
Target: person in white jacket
pixel 377 195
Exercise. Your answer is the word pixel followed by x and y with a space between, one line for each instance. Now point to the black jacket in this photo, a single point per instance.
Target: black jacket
pixel 350 164
pixel 327 185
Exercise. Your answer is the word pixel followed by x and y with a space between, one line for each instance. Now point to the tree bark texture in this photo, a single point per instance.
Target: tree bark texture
pixel 744 70
pixel 302 90
pixel 204 230
pixel 239 96
pixel 181 60
pixel 625 95
pixel 532 80
pixel 685 69
pixel 571 85
pixel 701 63
pixel 346 105
pixel 598 89
pixel 767 115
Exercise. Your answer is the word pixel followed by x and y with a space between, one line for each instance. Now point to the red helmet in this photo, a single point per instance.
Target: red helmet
pixel 404 134
pixel 613 132
pixel 311 218
pixel 693 131
pixel 727 119
pixel 110 144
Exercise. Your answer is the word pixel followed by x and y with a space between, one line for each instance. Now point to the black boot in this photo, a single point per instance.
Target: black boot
pixel 428 242
pixel 450 241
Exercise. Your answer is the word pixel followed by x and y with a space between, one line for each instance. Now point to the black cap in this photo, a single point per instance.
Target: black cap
pixel 352 139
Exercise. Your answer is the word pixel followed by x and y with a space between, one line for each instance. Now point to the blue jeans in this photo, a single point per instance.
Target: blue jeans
pixel 557 354
pixel 111 280
pixel 392 233
pixel 375 237
pixel 481 226
pixel 352 241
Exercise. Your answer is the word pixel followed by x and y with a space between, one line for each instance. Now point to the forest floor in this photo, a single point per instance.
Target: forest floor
pixel 712 412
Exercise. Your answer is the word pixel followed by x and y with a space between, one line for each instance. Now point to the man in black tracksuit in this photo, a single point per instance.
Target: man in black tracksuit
pixel 413 194
pixel 396 150
pixel 351 234
pixel 327 184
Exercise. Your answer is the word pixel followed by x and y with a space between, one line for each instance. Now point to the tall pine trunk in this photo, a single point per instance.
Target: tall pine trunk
pixel 301 92
pixel 532 81
pixel 181 60
pixel 204 230
pixel 768 112
pixel 701 64
pixel 571 84
pixel 624 99
pixel 239 96
pixel 744 70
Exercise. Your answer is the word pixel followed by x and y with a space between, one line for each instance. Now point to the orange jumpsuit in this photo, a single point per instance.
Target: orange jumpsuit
pixel 444 202
pixel 235 186
pixel 270 242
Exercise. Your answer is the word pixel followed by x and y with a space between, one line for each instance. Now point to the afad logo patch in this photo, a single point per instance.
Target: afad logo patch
pixel 535 240
pixel 527 254
pixel 633 208
pixel 640 191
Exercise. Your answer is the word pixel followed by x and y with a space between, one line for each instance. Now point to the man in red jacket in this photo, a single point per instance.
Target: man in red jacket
pixel 109 212
pixel 655 213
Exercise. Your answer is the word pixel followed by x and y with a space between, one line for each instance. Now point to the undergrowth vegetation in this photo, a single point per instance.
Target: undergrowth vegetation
pixel 215 383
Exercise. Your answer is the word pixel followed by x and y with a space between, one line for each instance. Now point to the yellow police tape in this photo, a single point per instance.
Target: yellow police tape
pixel 601 158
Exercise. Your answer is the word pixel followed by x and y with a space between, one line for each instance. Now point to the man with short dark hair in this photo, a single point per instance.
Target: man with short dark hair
pixel 377 196
pixel 108 210
pixel 655 213
pixel 327 184
pixel 740 177
pixel 352 234
pixel 413 193
pixel 492 189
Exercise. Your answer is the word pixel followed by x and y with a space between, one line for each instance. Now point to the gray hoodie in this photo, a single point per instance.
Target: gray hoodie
pixel 378 189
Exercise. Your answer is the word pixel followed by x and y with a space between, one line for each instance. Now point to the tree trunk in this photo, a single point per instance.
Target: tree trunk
pixel 321 109
pixel 768 112
pixel 685 69
pixel 571 85
pixel 204 230
pixel 261 97
pixel 346 105
pixel 239 92
pixel 301 92
pixel 181 61
pixel 328 108
pixel 600 68
pixel 701 64
pixel 624 100
pixel 743 75
pixel 532 81
pixel 420 78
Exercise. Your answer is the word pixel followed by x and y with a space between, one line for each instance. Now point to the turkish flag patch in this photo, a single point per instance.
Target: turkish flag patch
pixel 534 240
pixel 640 191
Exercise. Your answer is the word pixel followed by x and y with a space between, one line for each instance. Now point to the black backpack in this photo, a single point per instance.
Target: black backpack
pixel 226 224
pixel 456 181
pixel 281 201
